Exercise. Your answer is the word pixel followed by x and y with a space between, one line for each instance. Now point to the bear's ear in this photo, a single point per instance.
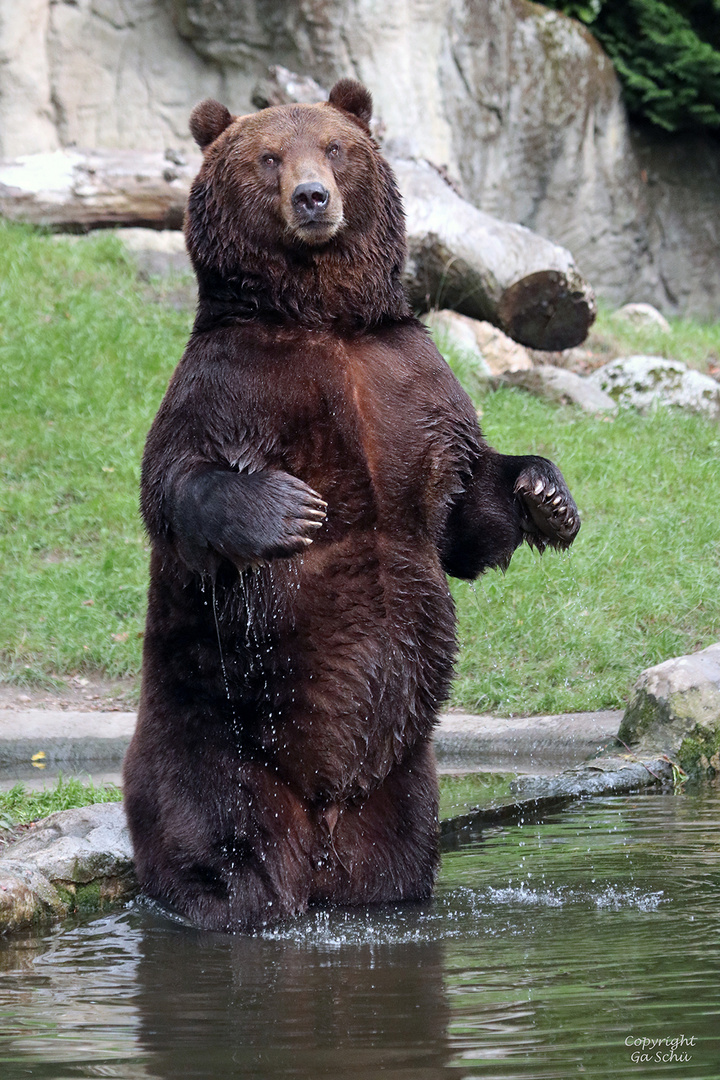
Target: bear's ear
pixel 208 120
pixel 352 97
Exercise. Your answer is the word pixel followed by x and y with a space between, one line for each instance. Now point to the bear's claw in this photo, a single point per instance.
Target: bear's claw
pixel 306 516
pixel 548 513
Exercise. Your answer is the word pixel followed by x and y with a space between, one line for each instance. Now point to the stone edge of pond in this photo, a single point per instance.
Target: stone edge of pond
pixel 81 860
pixel 72 861
pixel 537 795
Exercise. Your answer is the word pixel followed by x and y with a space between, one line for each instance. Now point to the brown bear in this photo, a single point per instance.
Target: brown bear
pixel 314 472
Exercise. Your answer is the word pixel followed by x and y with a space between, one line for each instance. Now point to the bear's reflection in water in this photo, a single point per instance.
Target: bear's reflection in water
pixel 302 1005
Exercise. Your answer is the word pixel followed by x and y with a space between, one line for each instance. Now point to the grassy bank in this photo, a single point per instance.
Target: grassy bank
pixel 85 360
pixel 19 806
pixel 695 344
pixel 641 584
pixel 85 356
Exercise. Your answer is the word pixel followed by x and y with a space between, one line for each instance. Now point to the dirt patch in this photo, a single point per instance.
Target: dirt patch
pixel 88 693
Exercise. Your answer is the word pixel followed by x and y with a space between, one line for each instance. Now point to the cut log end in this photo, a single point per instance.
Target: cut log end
pixel 548 310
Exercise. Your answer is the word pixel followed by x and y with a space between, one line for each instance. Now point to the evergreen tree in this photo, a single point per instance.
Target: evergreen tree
pixel 666 53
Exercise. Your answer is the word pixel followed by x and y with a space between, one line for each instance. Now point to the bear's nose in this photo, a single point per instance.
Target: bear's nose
pixel 310 200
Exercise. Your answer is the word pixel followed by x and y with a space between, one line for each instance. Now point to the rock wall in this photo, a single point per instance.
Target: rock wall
pixel 519 103
pixel 540 134
pixel 97 74
pixel 681 182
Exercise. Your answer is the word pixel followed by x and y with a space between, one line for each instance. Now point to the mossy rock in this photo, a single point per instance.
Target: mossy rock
pixel 699 753
pixel 74 861
pixel 90 896
pixel 643 712
pixel 677 704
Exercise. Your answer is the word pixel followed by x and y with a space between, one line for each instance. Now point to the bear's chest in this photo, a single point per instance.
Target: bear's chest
pixel 362 423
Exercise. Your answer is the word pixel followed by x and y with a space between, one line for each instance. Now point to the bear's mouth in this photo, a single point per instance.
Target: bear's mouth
pixel 315 232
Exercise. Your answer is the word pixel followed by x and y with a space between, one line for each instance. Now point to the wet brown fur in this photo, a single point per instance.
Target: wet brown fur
pixel 294 663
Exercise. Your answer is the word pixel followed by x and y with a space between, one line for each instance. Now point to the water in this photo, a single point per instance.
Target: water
pixel 548 950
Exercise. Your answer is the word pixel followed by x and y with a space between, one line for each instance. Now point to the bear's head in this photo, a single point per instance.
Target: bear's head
pixel 296 214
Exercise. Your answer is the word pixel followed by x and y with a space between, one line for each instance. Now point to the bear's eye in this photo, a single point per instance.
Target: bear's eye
pixel 333 150
pixel 270 160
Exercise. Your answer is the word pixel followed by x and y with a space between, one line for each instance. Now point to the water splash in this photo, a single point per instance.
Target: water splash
pixel 611 896
pixel 526 896
pixel 616 898
pixel 461 913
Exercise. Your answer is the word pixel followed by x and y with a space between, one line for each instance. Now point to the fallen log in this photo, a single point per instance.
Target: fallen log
pixel 459 257
pixel 77 191
pixel 462 258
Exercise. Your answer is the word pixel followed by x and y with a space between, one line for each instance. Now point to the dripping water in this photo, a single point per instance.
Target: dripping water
pixel 244 580
pixel 223 666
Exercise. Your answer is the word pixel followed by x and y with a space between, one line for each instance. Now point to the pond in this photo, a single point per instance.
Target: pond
pixel 551 950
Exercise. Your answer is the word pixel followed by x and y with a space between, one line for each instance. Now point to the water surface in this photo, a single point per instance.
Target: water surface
pixel 548 949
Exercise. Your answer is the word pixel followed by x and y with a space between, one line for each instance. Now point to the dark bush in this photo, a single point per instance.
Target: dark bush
pixel 666 53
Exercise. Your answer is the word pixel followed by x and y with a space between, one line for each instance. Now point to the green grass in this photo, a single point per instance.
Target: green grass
pixel 458 795
pixel 85 357
pixel 18 806
pixel 642 582
pixel 85 360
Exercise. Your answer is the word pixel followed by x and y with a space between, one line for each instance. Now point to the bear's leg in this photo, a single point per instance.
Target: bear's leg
pixel 236 857
pixel 385 849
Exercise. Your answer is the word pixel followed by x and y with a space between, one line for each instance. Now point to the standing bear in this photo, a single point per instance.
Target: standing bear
pixel 313 473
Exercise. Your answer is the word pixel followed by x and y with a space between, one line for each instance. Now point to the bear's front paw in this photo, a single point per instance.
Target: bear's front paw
pixel 302 512
pixel 548 513
pixel 290 516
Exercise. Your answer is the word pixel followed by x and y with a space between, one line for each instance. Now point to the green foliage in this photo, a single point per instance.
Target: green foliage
pixel 586 11
pixel 699 753
pixel 666 53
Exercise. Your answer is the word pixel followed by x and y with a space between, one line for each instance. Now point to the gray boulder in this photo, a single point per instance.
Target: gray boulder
pixel 26 897
pixel 675 708
pixel 73 860
pixel 643 316
pixel 643 382
pixel 563 387
pixel 160 252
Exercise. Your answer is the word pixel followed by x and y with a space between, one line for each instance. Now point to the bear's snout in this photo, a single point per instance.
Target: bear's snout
pixel 312 207
pixel 310 200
